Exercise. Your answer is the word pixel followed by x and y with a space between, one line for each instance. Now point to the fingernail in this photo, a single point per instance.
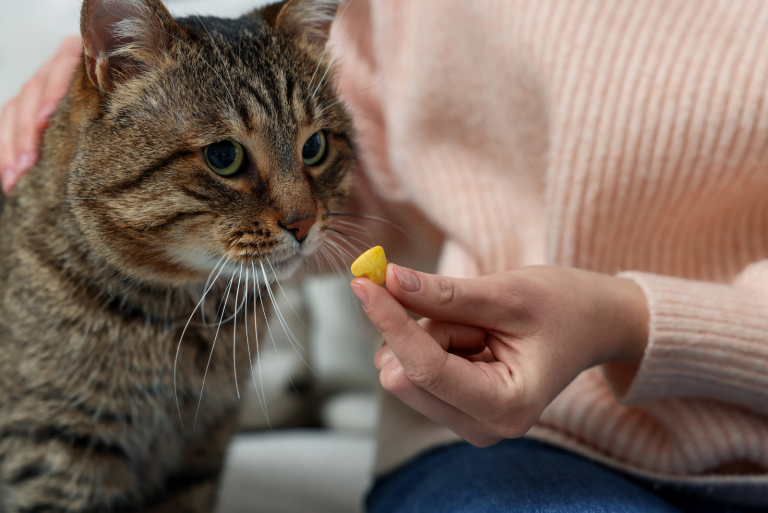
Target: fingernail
pixel 407 278
pixel 361 294
pixel 26 160
pixel 46 110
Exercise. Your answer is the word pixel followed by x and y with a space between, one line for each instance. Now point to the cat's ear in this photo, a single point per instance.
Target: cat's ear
pixel 122 38
pixel 309 20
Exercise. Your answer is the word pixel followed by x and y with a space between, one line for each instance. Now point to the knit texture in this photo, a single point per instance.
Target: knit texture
pixel 617 136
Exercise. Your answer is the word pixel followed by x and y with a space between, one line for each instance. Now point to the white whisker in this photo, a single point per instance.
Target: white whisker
pixel 355 227
pixel 213 346
pixel 178 347
pixel 237 311
pixel 234 329
pixel 352 303
pixel 264 310
pixel 342 251
pixel 330 64
pixel 288 333
pixel 247 341
pixel 257 290
pixel 311 80
pixel 351 237
pixel 286 295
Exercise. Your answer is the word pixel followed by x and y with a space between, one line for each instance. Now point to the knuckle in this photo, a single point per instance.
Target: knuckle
pixel 393 379
pixel 445 290
pixel 427 378
pixel 389 327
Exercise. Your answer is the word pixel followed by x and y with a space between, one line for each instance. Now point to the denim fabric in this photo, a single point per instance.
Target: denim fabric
pixel 521 476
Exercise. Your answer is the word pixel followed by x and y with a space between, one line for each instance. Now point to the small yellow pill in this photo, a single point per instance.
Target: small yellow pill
pixel 372 264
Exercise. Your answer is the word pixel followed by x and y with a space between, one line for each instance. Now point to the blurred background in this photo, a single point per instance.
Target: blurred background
pixel 314 448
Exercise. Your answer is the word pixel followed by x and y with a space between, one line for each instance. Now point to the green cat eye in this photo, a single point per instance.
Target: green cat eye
pixel 224 158
pixel 314 149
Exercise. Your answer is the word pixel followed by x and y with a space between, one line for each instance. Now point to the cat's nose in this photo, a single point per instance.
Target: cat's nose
pixel 300 229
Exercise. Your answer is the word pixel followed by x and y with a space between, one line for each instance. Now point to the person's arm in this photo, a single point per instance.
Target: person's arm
pixel 23 118
pixel 493 352
pixel 706 340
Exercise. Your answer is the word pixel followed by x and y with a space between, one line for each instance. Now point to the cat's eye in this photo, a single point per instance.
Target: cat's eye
pixel 314 149
pixel 224 158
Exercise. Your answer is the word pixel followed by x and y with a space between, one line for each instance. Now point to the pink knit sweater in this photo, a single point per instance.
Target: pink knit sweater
pixel 619 136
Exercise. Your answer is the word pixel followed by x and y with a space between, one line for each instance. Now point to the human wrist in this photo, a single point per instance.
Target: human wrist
pixel 632 312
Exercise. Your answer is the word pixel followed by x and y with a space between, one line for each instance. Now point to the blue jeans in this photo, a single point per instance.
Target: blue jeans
pixel 522 476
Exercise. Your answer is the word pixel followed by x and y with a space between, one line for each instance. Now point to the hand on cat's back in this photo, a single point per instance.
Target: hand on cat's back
pixel 492 352
pixel 24 117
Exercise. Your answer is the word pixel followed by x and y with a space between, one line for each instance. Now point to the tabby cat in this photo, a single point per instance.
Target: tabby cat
pixel 185 150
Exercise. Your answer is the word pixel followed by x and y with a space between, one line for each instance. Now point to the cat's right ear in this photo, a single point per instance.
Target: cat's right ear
pixel 123 38
pixel 309 20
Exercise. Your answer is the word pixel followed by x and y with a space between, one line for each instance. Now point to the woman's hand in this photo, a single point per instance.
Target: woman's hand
pixel 491 353
pixel 25 117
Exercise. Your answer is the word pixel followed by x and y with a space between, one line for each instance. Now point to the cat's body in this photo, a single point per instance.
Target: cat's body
pixel 107 244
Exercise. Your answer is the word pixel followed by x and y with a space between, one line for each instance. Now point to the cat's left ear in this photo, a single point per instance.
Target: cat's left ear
pixel 309 20
pixel 122 38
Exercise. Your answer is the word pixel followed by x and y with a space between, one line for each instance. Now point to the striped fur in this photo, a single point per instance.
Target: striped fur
pixel 108 241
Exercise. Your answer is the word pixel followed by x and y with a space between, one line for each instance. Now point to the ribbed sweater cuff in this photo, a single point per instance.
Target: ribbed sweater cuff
pixel 705 340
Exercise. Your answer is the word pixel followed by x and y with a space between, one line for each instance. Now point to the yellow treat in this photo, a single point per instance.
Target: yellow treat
pixel 372 264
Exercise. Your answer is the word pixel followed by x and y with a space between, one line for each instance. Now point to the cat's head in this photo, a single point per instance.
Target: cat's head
pixel 207 138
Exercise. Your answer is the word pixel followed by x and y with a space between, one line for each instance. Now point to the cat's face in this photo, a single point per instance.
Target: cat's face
pixel 220 141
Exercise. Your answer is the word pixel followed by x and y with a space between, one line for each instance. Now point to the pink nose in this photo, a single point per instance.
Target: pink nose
pixel 300 229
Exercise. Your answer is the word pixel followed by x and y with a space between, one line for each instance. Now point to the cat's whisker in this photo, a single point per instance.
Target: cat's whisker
pixel 234 330
pixel 375 219
pixel 238 308
pixel 178 347
pixel 202 311
pixel 213 346
pixel 355 227
pixel 335 260
pixel 334 249
pixel 377 84
pixel 274 344
pixel 330 64
pixel 343 253
pixel 257 290
pixel 286 296
pixel 328 107
pixel 351 237
pixel 288 333
pixel 341 17
pixel 320 262
pixel 248 342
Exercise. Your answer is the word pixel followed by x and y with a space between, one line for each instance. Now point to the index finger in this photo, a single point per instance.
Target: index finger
pixel 466 385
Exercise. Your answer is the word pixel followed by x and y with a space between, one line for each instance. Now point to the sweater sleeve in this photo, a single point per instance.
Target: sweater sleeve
pixel 706 340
